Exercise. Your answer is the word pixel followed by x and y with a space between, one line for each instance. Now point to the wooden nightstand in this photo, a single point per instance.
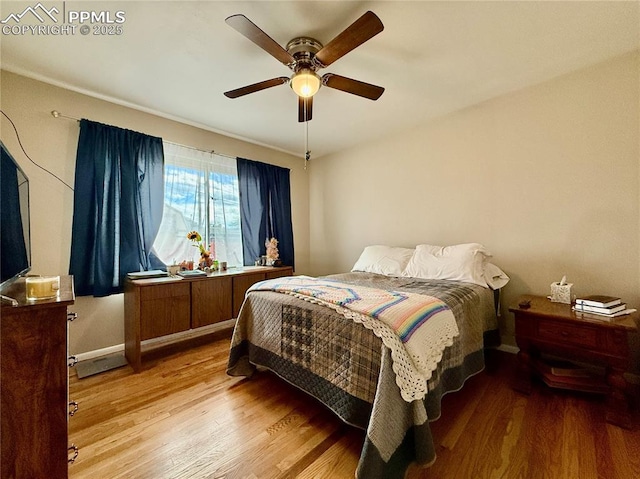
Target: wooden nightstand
pixel 554 329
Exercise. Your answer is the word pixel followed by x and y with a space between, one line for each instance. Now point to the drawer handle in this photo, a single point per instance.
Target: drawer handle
pixel 72 316
pixel 72 361
pixel 74 406
pixel 73 448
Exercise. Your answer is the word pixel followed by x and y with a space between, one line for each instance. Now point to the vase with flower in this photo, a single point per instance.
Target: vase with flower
pixel 205 256
pixel 273 255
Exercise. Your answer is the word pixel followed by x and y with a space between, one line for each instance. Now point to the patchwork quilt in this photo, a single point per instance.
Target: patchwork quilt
pixel 344 364
pixel 415 327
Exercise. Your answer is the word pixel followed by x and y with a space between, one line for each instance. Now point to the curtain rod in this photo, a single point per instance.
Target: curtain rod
pixel 57 114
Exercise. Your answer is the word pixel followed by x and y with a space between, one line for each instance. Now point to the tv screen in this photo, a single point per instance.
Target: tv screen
pixel 15 241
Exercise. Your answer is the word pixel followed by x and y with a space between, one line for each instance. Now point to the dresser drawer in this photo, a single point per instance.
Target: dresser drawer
pixel 163 291
pixel 563 333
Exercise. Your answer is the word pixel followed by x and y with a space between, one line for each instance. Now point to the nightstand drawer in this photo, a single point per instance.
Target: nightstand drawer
pixel 567 334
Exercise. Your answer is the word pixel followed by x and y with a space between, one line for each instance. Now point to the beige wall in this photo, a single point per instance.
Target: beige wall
pixel 546 178
pixel 52 143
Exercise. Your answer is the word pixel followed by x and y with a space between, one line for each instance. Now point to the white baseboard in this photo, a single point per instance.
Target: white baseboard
pixel 98 353
pixel 158 342
pixel 188 334
pixel 507 348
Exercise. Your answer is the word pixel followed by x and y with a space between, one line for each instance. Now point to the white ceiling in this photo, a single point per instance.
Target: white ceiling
pixel 176 58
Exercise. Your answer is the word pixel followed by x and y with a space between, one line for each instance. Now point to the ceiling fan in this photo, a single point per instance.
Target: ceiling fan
pixel 305 56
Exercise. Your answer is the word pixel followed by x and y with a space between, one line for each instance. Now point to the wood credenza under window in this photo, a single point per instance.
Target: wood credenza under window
pixel 34 364
pixel 158 307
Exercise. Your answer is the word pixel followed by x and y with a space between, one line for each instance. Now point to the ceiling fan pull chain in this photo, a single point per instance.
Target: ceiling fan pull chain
pixel 307 152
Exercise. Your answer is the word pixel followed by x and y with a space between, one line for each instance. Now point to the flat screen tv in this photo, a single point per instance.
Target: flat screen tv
pixel 15 239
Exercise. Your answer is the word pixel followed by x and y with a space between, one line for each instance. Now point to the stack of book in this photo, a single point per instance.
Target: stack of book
pixel 604 307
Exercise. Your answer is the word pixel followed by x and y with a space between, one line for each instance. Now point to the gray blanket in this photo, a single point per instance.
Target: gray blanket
pixel 345 366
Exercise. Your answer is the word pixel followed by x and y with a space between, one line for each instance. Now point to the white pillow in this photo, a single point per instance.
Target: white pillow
pixel 494 276
pixel 463 262
pixel 387 260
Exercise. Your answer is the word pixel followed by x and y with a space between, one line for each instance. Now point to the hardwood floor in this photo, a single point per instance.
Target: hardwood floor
pixel 183 417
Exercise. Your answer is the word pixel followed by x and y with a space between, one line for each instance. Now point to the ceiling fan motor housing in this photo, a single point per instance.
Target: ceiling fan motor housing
pixel 304 50
pixel 305 81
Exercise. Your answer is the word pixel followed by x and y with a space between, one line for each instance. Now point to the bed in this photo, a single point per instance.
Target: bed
pixel 349 369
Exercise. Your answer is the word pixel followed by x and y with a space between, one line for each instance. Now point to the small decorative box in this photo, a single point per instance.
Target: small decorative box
pixel 561 293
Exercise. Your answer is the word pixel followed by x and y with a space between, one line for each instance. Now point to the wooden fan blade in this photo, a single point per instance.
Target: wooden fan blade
pixel 355 87
pixel 305 109
pixel 363 29
pixel 246 27
pixel 263 85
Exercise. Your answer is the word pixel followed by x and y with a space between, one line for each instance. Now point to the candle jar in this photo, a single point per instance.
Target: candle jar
pixel 42 287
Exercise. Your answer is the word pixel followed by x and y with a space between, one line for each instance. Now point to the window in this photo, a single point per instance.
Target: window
pixel 201 194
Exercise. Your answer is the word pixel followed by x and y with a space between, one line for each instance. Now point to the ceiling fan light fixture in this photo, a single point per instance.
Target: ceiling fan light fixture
pixel 305 83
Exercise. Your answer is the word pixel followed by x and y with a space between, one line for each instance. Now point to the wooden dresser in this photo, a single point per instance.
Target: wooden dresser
pixel 158 307
pixel 35 378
